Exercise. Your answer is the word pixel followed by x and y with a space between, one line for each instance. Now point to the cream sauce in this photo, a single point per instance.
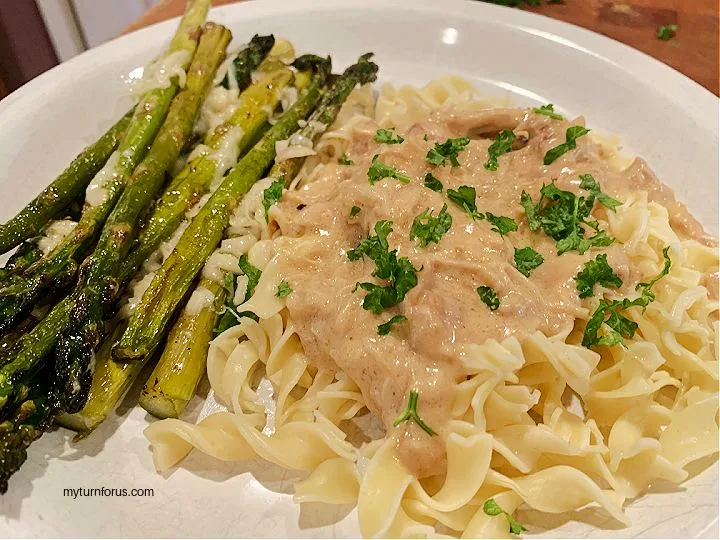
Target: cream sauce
pixel 443 311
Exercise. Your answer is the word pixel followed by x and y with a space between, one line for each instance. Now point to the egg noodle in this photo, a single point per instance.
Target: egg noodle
pixel 639 413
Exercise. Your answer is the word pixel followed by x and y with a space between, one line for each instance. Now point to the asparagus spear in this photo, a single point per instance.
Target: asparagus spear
pixel 182 364
pixel 75 349
pixel 59 267
pixel 27 423
pixel 196 178
pixel 176 376
pixel 248 59
pixel 27 254
pixel 148 116
pixel 66 188
pixel 149 321
pixel 363 72
pixel 110 382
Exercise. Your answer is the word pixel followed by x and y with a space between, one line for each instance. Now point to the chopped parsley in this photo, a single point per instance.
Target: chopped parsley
pixel 489 296
pixel 400 273
pixel 527 260
pixel 354 211
pixel 501 145
pixel 428 228
pixel 283 289
pixel 597 271
pixel 230 317
pixel 411 415
pixel 501 224
pixel 588 182
pixel 379 170
pixel 385 328
pixel 572 134
pixel 491 508
pixel 562 215
pixel 448 150
pixel 345 160
pixel 433 183
pixel 609 313
pixel 385 136
pixel 464 197
pixel 548 110
pixel 273 194
pixel 253 274
pixel 667 32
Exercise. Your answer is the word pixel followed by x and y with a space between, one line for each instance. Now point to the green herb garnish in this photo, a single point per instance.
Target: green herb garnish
pixel 491 508
pixel 345 160
pixel 548 110
pixel 379 170
pixel 411 415
pixel 501 224
pixel 448 150
pixel 588 182
pixel 609 313
pixel 400 273
pixel 527 260
pixel 667 32
pixel 562 215
pixel 572 134
pixel 489 296
pixel 385 136
pixel 502 145
pixel 597 271
pixel 273 194
pixel 354 211
pixel 433 183
pixel 283 289
pixel 253 274
pixel 230 317
pixel 464 197
pixel 428 228
pixel 385 328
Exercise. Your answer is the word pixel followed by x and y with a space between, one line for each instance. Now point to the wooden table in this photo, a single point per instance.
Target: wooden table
pixel 694 51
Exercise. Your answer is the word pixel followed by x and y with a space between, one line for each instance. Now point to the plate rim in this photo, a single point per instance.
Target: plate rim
pixel 696 99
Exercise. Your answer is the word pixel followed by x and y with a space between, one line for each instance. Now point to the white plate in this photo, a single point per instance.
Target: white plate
pixel 659 114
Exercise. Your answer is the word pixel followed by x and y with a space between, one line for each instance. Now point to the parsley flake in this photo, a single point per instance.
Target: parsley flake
pixel 548 110
pixel 273 194
pixel 345 160
pixel 464 197
pixel 491 508
pixel 597 271
pixel 527 260
pixel 385 136
pixel 562 214
pixel 354 211
pixel 502 145
pixel 609 313
pixel 433 183
pixel 489 297
pixel 400 273
pixel 253 274
pixel 283 289
pixel 572 134
pixel 385 328
pixel 428 228
pixel 666 32
pixel 411 415
pixel 588 182
pixel 501 224
pixel 448 150
pixel 230 317
pixel 379 170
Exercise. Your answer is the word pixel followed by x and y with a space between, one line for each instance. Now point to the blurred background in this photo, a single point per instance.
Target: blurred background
pixel 36 35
